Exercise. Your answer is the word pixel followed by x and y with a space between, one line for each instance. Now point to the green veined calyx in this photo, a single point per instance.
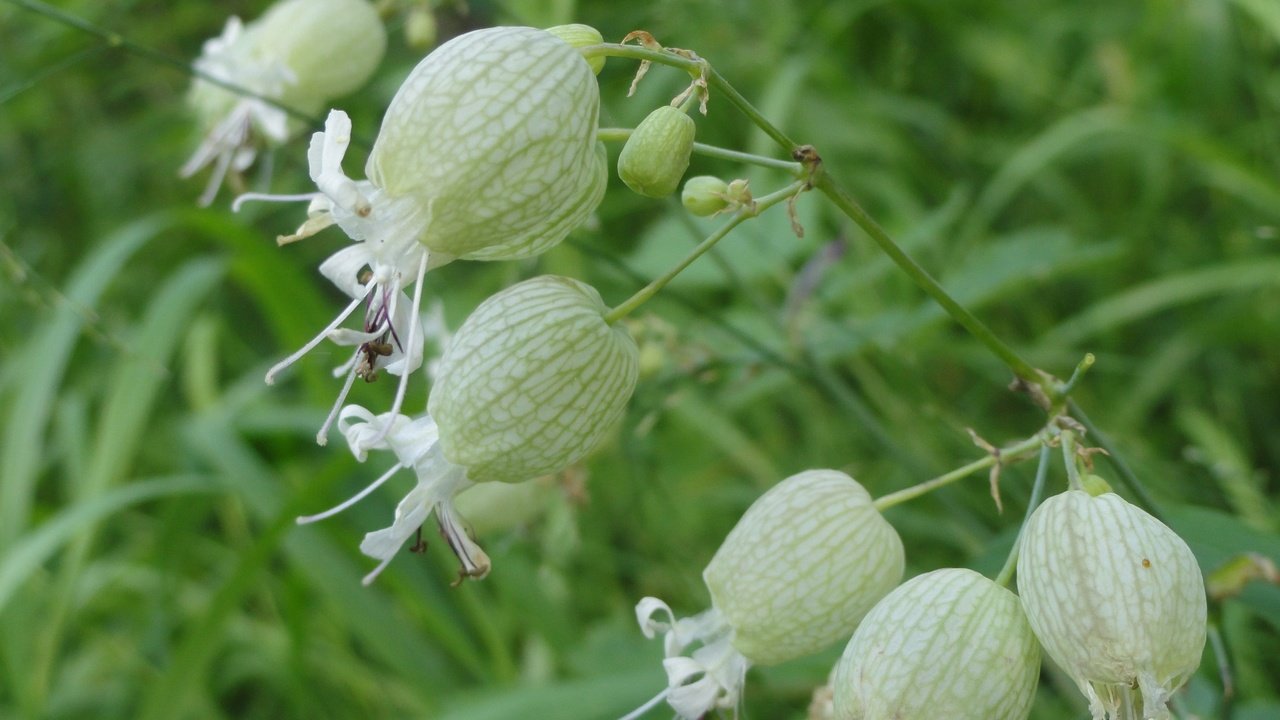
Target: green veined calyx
pixel 530 384
pixel 949 643
pixel 286 56
pixel 1116 598
pixel 797 573
pixel 487 152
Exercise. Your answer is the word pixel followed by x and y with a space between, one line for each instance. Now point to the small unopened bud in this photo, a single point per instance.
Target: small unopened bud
pixel 532 381
pixel 1116 598
pixel 705 195
pixel 580 36
pixel 420 29
pixel 949 643
pixel 656 155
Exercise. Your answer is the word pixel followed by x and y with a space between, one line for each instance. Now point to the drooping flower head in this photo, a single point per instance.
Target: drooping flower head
pixel 300 54
pixel 1116 598
pixel 949 643
pixel 808 559
pixel 487 152
pixel 529 385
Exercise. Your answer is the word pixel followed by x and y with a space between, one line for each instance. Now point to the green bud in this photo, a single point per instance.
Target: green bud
pixel 802 566
pixel 580 36
pixel 420 29
pixel 949 643
pixel 1116 598
pixel 307 36
pixel 705 195
pixel 656 155
pixel 532 381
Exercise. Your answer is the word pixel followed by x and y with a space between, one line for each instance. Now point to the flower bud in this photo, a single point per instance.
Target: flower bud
pixel 949 643
pixel 1115 597
pixel 580 36
pixel 705 195
pixel 420 28
pixel 656 155
pixel 796 574
pixel 532 381
pixel 802 566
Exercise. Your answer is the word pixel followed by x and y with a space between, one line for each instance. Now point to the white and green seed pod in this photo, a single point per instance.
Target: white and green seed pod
pixel 802 566
pixel 580 36
pixel 532 381
pixel 1115 597
pixel 657 153
pixel 493 139
pixel 529 384
pixel 796 574
pixel 705 195
pixel 286 56
pixel 949 643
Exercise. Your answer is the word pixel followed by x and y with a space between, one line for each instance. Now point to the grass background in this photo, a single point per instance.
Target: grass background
pixel 1086 176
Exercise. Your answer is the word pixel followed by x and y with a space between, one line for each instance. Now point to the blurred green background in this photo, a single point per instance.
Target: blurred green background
pixel 1086 176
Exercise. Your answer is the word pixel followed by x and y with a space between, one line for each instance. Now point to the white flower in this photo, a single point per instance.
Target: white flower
pixel 807 560
pixel 529 385
pixel 488 152
pixel 414 443
pixel 283 58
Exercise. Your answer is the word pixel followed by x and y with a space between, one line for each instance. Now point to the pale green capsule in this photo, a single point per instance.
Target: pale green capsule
pixel 580 36
pixel 1116 598
pixel 532 381
pixel 949 643
pixel 657 153
pixel 492 139
pixel 802 567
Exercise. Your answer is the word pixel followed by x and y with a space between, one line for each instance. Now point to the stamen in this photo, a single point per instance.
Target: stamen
pixel 651 704
pixel 307 519
pixel 403 386
pixel 322 435
pixel 342 316
pixel 268 197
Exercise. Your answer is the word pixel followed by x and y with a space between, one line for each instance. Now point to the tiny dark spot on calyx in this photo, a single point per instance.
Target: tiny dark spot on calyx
pixel 1146 563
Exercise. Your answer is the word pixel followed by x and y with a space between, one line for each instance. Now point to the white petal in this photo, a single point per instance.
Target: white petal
pixel 344 267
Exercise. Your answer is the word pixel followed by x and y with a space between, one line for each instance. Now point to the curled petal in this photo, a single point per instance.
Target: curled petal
pixel 343 268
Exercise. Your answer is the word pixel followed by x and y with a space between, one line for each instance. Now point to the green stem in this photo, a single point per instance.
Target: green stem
pixel 841 198
pixel 1068 438
pixel 1037 491
pixel 1127 476
pixel 795 168
pixel 648 291
pixel 1012 453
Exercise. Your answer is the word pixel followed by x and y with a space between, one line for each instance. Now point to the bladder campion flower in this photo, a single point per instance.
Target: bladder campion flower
pixel 949 643
pixel 286 56
pixel 487 152
pixel 529 385
pixel 1117 600
pixel 808 559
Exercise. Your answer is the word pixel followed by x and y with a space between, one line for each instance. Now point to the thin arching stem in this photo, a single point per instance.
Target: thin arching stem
pixel 1037 492
pixel 795 168
pixel 1013 453
pixel 648 291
